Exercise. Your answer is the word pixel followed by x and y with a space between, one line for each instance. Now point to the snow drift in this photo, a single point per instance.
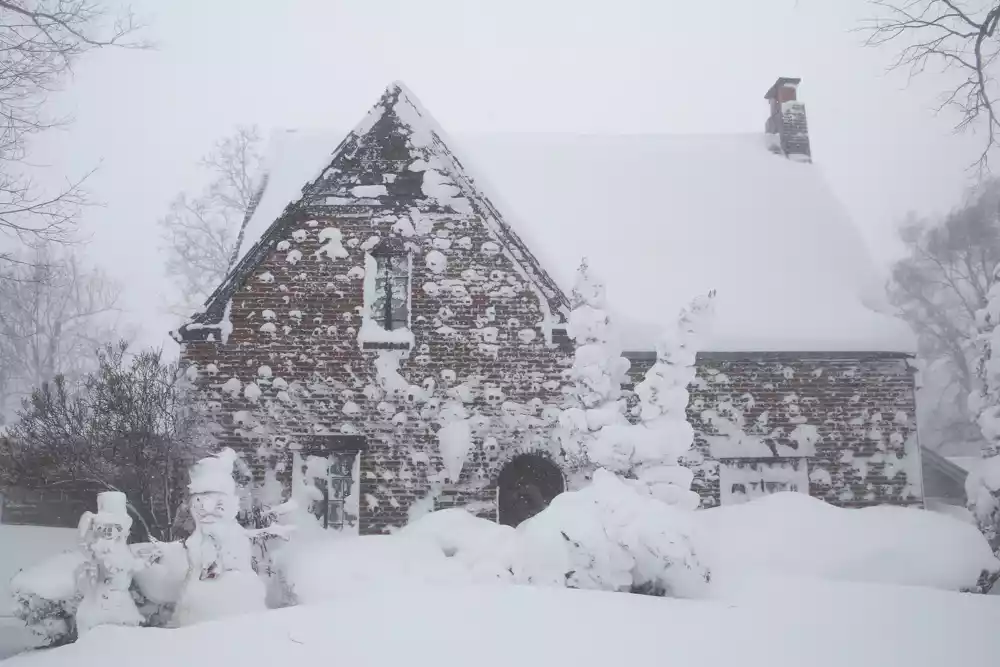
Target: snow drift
pixel 795 624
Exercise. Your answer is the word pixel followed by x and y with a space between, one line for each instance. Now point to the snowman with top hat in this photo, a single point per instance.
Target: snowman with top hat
pixel 221 580
pixel 106 574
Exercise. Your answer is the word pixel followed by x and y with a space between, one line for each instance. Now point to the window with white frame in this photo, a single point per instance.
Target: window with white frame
pixel 389 305
pixel 743 480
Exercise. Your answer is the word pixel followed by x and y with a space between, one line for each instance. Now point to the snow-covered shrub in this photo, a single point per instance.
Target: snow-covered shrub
pixel 983 485
pixel 485 549
pixel 792 534
pixel 46 598
pixel 47 595
pixel 610 536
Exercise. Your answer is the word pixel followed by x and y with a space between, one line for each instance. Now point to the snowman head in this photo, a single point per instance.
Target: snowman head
pixel 213 507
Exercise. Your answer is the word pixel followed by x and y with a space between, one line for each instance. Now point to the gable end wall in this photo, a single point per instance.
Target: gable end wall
pixel 482 320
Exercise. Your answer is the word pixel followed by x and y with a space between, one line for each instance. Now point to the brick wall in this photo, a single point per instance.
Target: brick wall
pixel 862 406
pixel 478 319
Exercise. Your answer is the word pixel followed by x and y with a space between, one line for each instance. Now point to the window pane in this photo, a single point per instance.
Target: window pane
pixel 392 282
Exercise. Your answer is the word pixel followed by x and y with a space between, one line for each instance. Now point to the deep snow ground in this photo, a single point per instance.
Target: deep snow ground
pixel 773 623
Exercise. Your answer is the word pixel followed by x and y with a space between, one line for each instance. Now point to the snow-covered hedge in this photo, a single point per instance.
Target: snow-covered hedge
pixel 794 534
pixel 612 536
pixel 46 595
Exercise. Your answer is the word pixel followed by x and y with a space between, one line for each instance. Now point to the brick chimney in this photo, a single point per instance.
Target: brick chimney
pixel 786 127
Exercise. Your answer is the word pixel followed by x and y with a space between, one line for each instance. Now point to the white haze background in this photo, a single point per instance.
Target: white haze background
pixel 634 66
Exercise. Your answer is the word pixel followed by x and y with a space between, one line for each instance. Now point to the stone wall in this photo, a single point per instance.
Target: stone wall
pixel 856 410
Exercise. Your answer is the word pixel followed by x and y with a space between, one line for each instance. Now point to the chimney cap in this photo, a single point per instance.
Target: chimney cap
pixel 782 81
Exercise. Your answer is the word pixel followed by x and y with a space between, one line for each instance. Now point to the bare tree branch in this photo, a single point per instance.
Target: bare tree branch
pixel 40 41
pixel 204 234
pixel 955 38
pixel 127 425
pixel 53 314
pixel 939 287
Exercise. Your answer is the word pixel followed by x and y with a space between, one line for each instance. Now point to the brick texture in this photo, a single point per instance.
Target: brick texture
pixel 485 325
pixel 279 367
pixel 862 405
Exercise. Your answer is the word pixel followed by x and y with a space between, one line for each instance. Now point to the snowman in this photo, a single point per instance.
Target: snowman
pixel 220 580
pixel 106 574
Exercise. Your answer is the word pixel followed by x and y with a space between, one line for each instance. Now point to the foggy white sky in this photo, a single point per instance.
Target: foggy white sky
pixel 629 66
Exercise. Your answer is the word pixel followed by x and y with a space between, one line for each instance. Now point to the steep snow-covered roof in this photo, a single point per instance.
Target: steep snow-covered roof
pixel 662 219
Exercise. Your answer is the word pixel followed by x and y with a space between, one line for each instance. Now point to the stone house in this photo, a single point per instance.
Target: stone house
pixel 390 342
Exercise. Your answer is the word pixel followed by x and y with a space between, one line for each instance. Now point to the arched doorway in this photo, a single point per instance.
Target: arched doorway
pixel 526 486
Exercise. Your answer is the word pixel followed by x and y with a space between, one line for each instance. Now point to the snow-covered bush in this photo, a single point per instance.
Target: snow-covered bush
pixel 46 598
pixel 610 535
pixel 982 486
pixel 792 534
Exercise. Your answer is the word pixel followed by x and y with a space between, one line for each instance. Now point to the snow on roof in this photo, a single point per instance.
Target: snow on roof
pixel 663 219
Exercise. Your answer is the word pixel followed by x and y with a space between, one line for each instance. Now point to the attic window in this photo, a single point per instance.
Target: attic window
pixel 386 315
pixel 390 305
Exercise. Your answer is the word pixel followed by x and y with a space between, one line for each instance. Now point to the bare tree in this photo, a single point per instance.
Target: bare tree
pixel 39 42
pixel 955 37
pixel 204 233
pixel 54 313
pixel 939 287
pixel 126 427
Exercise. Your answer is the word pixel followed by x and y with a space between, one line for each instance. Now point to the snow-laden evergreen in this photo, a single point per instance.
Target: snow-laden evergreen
pixel 982 486
pixel 665 434
pixel 593 428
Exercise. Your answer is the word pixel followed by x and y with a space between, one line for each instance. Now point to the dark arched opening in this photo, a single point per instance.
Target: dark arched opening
pixel 526 486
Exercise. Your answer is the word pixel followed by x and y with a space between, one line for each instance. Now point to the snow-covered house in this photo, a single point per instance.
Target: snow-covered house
pixel 393 340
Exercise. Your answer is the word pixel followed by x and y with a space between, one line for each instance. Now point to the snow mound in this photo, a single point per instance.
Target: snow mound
pixel 331 567
pixel 498 626
pixel 794 534
pixel 609 536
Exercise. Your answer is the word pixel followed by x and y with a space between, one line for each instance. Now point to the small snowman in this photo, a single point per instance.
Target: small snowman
pixel 105 576
pixel 220 580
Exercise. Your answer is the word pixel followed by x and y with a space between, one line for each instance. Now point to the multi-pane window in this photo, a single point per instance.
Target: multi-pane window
pixel 744 480
pixel 332 510
pixel 390 307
